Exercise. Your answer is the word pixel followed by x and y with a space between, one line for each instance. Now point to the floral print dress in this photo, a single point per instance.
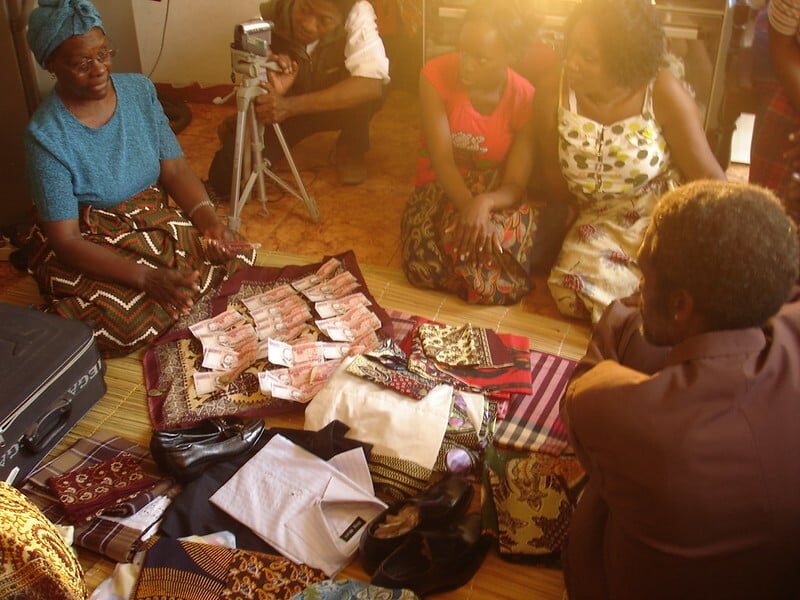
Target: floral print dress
pixel 617 172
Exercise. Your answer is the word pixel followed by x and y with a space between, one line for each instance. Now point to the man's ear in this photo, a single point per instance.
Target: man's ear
pixel 684 314
pixel 682 304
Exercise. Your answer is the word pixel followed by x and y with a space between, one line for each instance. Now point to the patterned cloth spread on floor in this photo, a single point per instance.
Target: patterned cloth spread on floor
pixel 111 538
pixel 530 499
pixel 465 346
pixel 388 366
pixel 169 365
pixel 143 230
pixel 183 570
pixel 617 172
pixel 532 421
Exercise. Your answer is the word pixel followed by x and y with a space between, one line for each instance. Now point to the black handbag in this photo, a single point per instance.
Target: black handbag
pixel 185 453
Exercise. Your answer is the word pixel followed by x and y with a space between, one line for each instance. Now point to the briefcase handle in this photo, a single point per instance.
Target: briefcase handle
pixel 35 440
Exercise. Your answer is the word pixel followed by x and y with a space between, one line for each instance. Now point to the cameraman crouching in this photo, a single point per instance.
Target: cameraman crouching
pixel 334 72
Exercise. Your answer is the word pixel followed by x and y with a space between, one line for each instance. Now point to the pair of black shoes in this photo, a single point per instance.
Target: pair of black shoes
pixel 426 543
pixel 185 453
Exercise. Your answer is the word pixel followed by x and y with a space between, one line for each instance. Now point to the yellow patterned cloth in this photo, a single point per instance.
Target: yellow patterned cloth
pixel 35 562
pixel 531 497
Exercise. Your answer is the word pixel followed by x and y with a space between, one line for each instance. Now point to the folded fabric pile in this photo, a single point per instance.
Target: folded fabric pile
pixel 91 491
pixel 469 358
pixel 128 513
pixel 426 402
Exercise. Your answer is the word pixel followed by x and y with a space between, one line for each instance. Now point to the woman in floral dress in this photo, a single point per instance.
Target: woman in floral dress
pixel 616 130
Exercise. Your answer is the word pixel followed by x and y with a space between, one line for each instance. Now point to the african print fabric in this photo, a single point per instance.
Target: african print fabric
pixel 350 589
pixel 142 230
pixel 497 382
pixel 430 259
pixel 182 570
pixel 36 562
pixel 465 346
pixel 530 500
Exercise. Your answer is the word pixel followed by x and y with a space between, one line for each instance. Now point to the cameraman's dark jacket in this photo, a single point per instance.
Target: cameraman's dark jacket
pixel 317 72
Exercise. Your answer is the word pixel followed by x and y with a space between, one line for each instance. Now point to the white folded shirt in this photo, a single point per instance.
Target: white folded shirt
pixel 396 425
pixel 303 506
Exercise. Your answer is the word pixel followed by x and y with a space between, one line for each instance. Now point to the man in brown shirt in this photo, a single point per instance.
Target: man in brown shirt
pixel 685 411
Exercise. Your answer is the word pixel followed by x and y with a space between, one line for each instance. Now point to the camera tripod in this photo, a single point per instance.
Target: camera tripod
pixel 248 127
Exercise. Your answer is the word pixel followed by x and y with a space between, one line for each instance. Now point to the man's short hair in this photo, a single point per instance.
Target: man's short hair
pixel 731 246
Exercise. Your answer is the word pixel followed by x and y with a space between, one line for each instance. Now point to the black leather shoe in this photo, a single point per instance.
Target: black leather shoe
pixel 435 561
pixel 186 457
pixel 206 431
pixel 435 508
pixel 443 502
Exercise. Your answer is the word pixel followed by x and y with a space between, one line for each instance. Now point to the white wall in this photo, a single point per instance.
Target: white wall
pixel 196 47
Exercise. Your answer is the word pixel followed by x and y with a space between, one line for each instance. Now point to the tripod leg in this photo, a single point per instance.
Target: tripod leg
pixel 234 220
pixel 257 150
pixel 302 194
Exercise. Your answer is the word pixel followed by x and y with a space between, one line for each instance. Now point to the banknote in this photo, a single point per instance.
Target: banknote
pixel 286 306
pixel 238 338
pixel 339 306
pixel 355 318
pixel 207 382
pixel 280 331
pixel 321 373
pixel 269 297
pixel 224 320
pixel 306 282
pixel 328 268
pixel 289 355
pixel 365 343
pixel 337 286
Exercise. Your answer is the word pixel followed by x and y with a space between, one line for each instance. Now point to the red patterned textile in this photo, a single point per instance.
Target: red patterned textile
pixel 87 493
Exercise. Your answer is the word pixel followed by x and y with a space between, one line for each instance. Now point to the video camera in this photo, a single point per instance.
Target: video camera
pixel 250 50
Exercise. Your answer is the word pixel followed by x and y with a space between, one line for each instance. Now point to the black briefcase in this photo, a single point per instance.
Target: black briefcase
pixel 50 375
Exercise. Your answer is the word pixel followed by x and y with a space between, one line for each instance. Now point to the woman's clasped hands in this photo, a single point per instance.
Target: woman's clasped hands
pixel 475 237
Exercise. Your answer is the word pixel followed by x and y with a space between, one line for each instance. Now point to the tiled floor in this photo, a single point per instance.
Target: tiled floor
pixel 364 218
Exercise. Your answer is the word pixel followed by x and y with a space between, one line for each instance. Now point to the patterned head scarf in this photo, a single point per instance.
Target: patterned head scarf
pixel 54 21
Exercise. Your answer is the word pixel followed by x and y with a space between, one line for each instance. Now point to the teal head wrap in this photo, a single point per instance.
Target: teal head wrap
pixel 54 21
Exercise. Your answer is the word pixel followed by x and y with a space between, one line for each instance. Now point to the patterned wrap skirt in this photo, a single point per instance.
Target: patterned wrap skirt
pixel 597 262
pixel 143 230
pixel 429 253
